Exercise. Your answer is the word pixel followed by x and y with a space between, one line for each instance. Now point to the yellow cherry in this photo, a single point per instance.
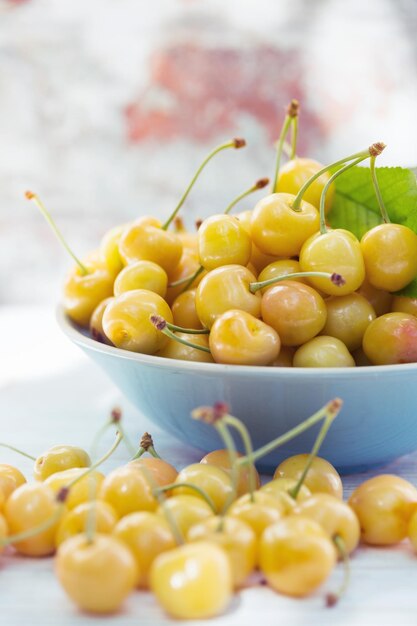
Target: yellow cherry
pixel 142 275
pixel 59 458
pixel 10 479
pixel 96 322
pixel 146 535
pixel 75 521
pixel 83 490
pixel 237 539
pixel 212 480
pixel 296 172
pixel 128 490
pixel 97 575
pixel 126 321
pixel 223 241
pixel 384 505
pixel 185 511
pixel 322 477
pixel 29 506
pixel 193 581
pixel 239 338
pixel 296 555
pixel 280 488
pixel 335 517
pixel 221 458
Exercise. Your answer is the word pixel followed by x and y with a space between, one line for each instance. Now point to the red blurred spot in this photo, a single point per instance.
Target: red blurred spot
pixel 199 93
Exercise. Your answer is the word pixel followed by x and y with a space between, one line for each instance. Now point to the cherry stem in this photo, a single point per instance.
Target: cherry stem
pixel 377 189
pixel 33 196
pixel 234 143
pixel 9 447
pixel 238 425
pixel 146 445
pixel 358 155
pixel 292 112
pixel 192 278
pixel 323 226
pixel 294 134
pixel 162 325
pixel 228 440
pixel 337 279
pixel 161 497
pixel 333 598
pixel 316 447
pixel 36 530
pixel 187 279
pixel 101 460
pixel 201 492
pixel 189 331
pixel 332 407
pixel 260 184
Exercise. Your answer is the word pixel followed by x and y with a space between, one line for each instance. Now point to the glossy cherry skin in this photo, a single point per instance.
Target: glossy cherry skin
pixel 84 490
pixel 280 488
pixel 296 555
pixel 109 248
pixel 157 470
pixel 142 275
pixel 96 575
pixel 296 311
pixel 185 511
pixel 238 338
pixel 322 477
pixel 294 173
pixel 279 230
pixel 226 288
pixel 84 292
pixel 75 522
pixel 384 505
pixel 127 490
pixel 193 581
pixel 323 351
pixel 412 530
pixel 347 319
pixel 96 322
pixel 10 479
pixel 335 517
pixel 223 241
pixel 126 321
pixel 175 350
pixel 221 458
pixel 184 311
pixel 258 259
pixel 334 251
pixel 59 458
pixel 146 240
pixel 235 537
pixel 146 535
pixel 380 300
pixel 29 506
pixel 214 481
pixel 391 338
pixel 402 304
pixel 390 254
pixel 283 267
pixel 260 512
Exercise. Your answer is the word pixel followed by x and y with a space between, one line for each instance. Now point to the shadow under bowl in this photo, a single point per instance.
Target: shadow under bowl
pixel 377 423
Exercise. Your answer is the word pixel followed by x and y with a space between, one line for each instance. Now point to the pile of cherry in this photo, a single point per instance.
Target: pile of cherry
pixel 196 536
pixel 269 286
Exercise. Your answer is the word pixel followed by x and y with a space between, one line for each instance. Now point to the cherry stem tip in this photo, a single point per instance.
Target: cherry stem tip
pixel 239 142
pixel 376 148
pixel 293 108
pixel 158 321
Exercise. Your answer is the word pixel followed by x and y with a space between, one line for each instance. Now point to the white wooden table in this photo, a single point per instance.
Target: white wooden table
pixel 50 393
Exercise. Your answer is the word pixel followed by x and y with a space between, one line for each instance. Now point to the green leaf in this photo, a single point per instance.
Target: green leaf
pixel 355 206
pixel 410 291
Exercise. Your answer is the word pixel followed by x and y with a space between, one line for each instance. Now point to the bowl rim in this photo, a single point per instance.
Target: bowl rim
pixel 74 332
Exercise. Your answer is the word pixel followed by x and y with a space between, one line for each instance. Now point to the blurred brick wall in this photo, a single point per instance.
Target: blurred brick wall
pixel 106 107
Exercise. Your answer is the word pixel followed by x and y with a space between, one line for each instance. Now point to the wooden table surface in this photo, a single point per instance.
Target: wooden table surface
pixel 50 393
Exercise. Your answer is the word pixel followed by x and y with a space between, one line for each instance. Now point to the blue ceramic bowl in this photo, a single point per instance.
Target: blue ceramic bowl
pixel 378 421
